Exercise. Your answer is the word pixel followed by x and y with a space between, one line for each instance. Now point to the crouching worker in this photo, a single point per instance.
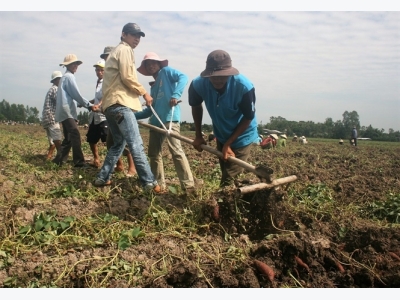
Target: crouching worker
pixel 282 142
pixel 269 142
pixel 230 100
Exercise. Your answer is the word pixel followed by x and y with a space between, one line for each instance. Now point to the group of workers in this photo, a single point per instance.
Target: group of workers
pixel 228 96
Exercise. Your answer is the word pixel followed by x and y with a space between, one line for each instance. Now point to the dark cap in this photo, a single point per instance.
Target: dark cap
pixel 107 51
pixel 219 63
pixel 133 28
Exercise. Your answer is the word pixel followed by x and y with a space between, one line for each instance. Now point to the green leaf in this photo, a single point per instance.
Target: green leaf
pixel 136 232
pixel 123 242
pixel 172 189
pixel 69 219
pixel 24 230
pixel 64 225
pixel 38 225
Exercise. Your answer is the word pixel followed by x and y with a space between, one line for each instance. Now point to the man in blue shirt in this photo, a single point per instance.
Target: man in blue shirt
pixel 230 100
pixel 67 92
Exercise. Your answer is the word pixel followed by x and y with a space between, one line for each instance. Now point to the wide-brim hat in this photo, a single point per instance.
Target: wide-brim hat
pixel 69 59
pixel 54 75
pixel 107 51
pixel 219 63
pixel 101 63
pixel 151 56
pixel 274 136
pixel 283 136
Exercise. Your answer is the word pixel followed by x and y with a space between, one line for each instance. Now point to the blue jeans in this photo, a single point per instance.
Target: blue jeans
pixel 125 131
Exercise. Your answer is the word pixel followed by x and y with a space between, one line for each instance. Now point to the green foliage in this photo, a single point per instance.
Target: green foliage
pixel 83 118
pixel 65 191
pixel 129 236
pixel 387 210
pixel 316 196
pixel 340 129
pixel 18 113
pixel 45 227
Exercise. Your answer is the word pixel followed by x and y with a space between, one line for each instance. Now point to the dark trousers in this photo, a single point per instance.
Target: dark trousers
pixel 72 139
pixel 231 170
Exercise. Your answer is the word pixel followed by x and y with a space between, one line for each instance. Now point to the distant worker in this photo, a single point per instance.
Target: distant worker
pixel 354 136
pixel 295 139
pixel 52 127
pixel 211 137
pixel 282 142
pixel 269 142
pixel 303 140
pixel 341 142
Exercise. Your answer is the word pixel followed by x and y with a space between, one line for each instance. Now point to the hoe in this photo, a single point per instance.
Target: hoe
pixel 264 173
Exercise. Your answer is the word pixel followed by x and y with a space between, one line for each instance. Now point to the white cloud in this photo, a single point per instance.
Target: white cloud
pixel 304 65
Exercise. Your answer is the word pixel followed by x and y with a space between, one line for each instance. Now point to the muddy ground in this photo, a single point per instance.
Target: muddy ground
pixel 332 242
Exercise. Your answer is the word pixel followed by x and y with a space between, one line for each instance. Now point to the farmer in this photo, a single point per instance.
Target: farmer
pixel 98 126
pixel 230 100
pixel 269 142
pixel 66 113
pixel 282 142
pixel 110 141
pixel 353 139
pixel 303 140
pixel 166 92
pixel 52 127
pixel 121 92
pixel 211 137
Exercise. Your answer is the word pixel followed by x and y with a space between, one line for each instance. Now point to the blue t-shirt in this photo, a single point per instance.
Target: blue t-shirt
pixel 169 84
pixel 227 108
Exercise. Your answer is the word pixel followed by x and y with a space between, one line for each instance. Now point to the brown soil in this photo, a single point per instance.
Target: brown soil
pixel 303 249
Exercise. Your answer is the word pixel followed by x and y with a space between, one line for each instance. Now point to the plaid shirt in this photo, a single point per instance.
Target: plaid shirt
pixel 49 107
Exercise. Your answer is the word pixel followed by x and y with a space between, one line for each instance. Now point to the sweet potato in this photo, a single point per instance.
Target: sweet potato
pixel 215 213
pixel 339 266
pixel 301 263
pixel 394 256
pixel 265 270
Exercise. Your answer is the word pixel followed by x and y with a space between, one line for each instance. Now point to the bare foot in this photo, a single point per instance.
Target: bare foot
pixel 119 167
pixel 96 163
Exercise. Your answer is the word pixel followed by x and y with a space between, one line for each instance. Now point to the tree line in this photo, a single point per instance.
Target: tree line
pixel 340 129
pixel 18 113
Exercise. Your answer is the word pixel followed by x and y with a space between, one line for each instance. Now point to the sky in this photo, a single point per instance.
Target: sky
pixel 306 64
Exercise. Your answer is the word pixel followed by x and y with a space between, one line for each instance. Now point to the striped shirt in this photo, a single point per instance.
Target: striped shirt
pixel 49 107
